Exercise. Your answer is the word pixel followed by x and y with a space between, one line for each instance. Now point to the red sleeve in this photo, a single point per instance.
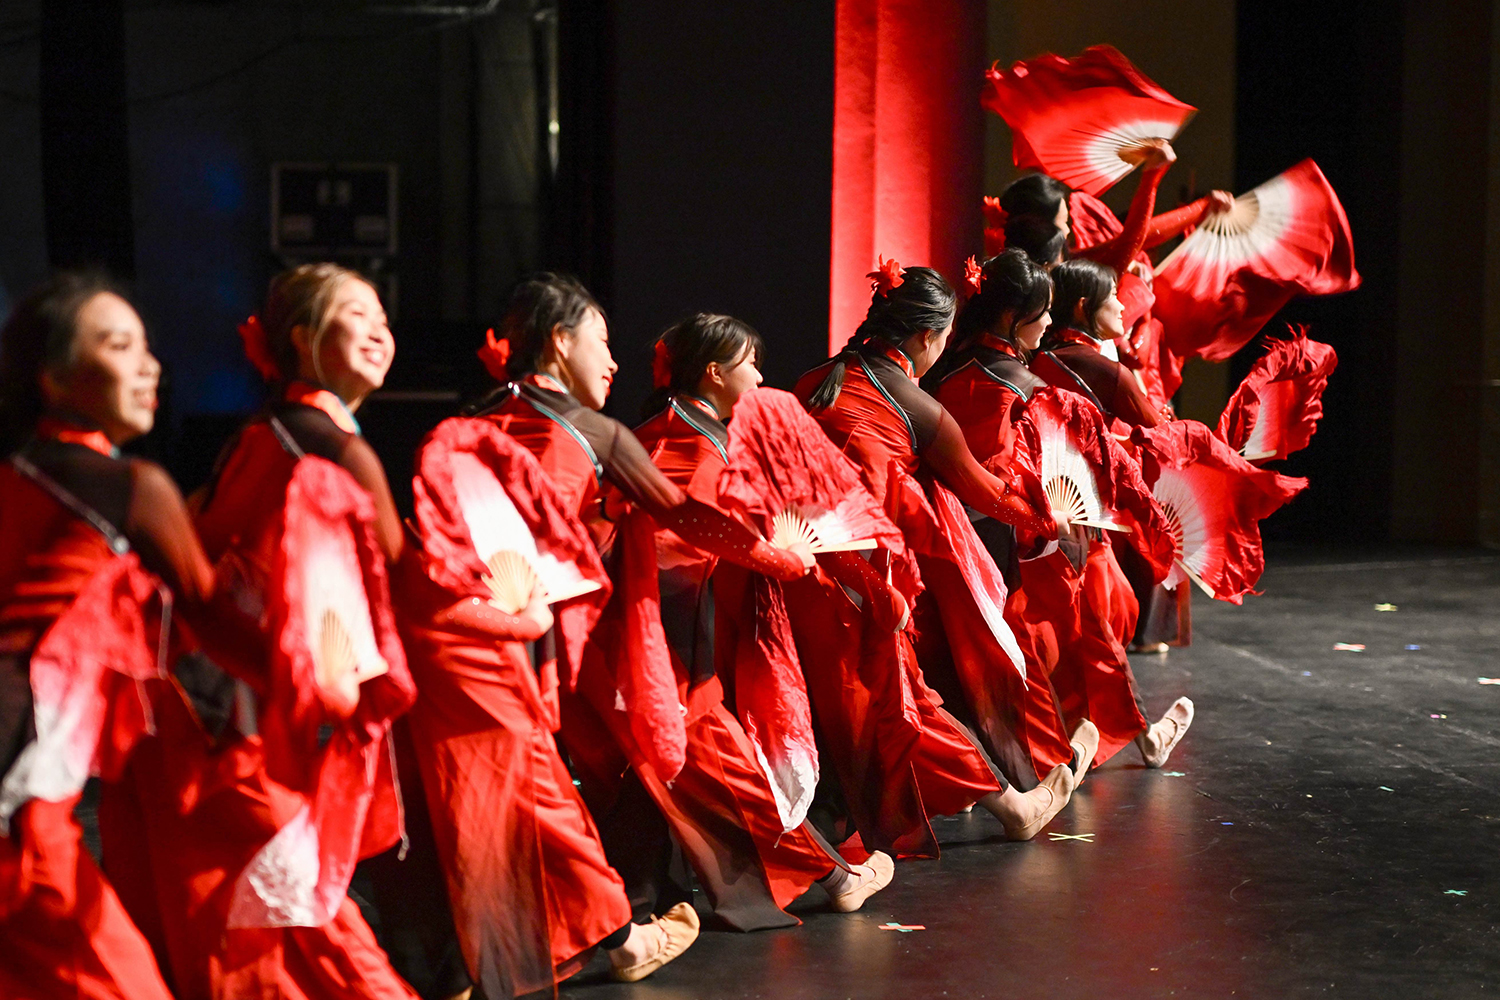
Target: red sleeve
pixel 1120 251
pixel 1169 224
pixel 950 458
pixel 855 572
pixel 473 615
pixel 715 532
pixel 1130 403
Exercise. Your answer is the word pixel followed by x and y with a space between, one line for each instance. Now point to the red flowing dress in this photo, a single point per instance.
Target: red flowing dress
pixel 729 800
pixel 531 890
pixel 1072 621
pixel 889 422
pixel 69 508
pixel 892 430
pixel 628 739
pixel 1110 599
pixel 196 811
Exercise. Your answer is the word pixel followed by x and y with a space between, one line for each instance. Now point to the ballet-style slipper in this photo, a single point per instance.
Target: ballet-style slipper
pixel 679 927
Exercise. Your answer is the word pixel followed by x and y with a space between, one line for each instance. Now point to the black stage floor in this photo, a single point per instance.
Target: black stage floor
pixel 1328 827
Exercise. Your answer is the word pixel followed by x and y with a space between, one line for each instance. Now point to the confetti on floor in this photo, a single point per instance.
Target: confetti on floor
pixel 1385 789
pixel 1412 649
pixel 1489 680
pixel 1349 647
pixel 903 928
pixel 1435 716
pixel 1455 892
pixel 1087 838
pixel 1385 607
pixel 1173 774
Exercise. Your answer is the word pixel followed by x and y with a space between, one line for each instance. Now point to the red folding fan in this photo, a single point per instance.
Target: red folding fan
pixel 1089 476
pixel 1276 409
pixel 1238 268
pixel 1074 118
pixel 336 659
pixel 1214 502
pixel 788 480
pixel 494 526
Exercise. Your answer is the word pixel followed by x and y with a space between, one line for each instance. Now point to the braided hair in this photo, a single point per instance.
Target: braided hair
pixel 922 301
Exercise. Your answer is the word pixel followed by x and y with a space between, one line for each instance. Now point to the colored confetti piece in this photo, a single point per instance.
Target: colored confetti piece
pixel 1439 716
pixel 1385 607
pixel 903 928
pixel 1349 647
pixel 1385 789
pixel 1173 774
pixel 1087 838
pixel 1412 648
pixel 1455 892
pixel 1227 823
pixel 1307 673
pixel 1489 680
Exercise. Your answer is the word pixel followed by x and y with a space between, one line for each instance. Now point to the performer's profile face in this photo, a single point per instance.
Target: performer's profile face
pixel 111 377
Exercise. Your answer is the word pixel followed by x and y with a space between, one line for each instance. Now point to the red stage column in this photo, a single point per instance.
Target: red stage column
pixel 907 143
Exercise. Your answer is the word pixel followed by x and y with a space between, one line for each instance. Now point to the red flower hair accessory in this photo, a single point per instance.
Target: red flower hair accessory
pixel 495 355
pixel 661 365
pixel 973 275
pixel 258 349
pixel 885 277
pixel 994 215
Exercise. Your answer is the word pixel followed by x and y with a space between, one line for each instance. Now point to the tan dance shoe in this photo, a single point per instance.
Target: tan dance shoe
pixel 1086 742
pixel 1161 738
pixel 679 929
pixel 1047 799
pixel 863 882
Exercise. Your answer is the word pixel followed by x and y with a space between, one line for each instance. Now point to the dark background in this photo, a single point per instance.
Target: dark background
pixel 689 168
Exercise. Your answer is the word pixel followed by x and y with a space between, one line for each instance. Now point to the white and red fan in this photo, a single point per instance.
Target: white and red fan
pixel 1276 409
pixel 329 604
pixel 505 544
pixel 789 480
pixel 1288 237
pixel 1074 118
pixel 1067 476
pixel 336 610
pixel 1214 502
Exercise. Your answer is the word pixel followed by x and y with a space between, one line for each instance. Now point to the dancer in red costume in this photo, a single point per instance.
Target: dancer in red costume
pixel 867 401
pixel 984 383
pixel 1091 235
pixel 78 380
pixel 200 814
pixel 532 891
pixel 731 820
pixel 77 525
pixel 1086 312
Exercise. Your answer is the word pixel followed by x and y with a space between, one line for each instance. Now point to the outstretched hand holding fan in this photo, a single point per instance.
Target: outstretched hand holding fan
pixel 1288 237
pixel 1087 121
pixel 788 479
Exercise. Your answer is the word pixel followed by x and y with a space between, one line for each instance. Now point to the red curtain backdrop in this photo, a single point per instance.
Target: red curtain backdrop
pixel 907 143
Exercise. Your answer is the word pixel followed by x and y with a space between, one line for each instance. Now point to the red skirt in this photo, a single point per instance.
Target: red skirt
pixel 1093 676
pixel 531 890
pixel 178 828
pixel 899 756
pixel 63 933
